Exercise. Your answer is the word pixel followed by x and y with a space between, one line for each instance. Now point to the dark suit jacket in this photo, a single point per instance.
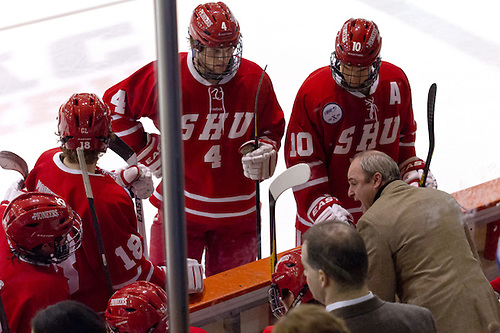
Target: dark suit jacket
pixel 375 315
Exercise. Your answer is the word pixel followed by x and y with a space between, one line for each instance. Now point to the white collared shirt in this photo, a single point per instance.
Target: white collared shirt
pixel 341 304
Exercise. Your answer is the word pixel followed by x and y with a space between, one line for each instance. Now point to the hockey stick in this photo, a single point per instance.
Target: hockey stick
pixel 293 176
pixel 257 182
pixel 97 229
pixel 3 316
pixel 124 151
pixel 12 161
pixel 431 99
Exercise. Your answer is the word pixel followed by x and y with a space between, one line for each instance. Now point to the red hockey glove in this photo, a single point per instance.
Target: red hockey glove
pixel 328 208
pixel 412 171
pixel 137 178
pixel 259 164
pixel 150 154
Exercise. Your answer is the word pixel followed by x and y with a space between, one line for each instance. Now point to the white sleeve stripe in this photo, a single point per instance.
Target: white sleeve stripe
pixel 304 221
pixel 226 199
pixel 310 183
pixel 411 144
pixel 313 164
pixel 220 215
pixel 130 130
pixel 121 285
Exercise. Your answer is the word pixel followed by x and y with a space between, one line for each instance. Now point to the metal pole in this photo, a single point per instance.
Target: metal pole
pixel 169 99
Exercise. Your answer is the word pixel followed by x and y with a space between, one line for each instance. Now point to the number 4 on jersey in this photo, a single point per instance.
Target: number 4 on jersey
pixel 213 157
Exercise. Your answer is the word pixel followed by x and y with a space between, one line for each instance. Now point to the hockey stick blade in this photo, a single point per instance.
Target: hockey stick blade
pixel 431 101
pixel 12 161
pixel 293 176
pixel 123 150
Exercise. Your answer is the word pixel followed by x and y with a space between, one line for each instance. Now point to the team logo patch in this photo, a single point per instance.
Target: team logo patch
pixel 332 113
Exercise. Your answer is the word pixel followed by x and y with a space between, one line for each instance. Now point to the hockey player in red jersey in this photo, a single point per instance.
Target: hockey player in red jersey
pixel 357 103
pixel 218 96
pixel 85 121
pixel 39 231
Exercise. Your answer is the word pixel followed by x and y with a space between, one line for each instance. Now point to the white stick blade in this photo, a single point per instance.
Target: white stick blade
pixel 12 161
pixel 293 176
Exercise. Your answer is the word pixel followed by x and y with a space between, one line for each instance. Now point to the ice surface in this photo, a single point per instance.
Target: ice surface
pixel 51 49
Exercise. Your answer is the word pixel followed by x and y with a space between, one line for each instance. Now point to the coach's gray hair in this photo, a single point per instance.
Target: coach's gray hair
pixel 373 161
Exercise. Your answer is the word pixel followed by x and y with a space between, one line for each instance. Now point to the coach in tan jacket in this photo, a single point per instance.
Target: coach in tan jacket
pixel 419 248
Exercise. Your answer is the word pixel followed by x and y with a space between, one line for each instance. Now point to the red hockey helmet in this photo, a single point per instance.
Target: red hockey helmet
pixel 139 307
pixel 288 277
pixel 84 121
pixel 35 218
pixel 357 44
pixel 213 25
pixel 216 45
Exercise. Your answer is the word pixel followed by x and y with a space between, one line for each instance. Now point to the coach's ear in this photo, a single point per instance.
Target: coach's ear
pixel 377 180
pixel 323 279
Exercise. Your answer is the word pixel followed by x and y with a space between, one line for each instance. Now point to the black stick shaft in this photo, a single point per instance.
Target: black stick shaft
pixel 431 99
pixel 257 183
pixel 272 224
pixel 95 221
pixel 3 316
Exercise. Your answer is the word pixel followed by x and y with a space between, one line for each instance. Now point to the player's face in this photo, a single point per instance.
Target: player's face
pixel 215 60
pixel 48 249
pixel 360 188
pixel 312 277
pixel 288 300
pixel 354 75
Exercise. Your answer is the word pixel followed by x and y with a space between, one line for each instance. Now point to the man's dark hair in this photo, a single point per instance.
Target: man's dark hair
pixel 67 316
pixel 337 249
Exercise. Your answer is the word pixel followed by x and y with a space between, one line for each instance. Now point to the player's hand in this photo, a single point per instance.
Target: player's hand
pixel 14 190
pixel 411 173
pixel 413 178
pixel 195 276
pixel 258 164
pixel 137 178
pixel 150 154
pixel 328 208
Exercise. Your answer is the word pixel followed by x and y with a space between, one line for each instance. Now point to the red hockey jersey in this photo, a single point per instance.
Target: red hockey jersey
pixel 27 288
pixel 329 125
pixel 215 121
pixel 118 224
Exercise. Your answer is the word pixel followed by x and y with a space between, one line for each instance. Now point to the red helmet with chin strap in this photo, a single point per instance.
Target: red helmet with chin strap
pixel 34 218
pixel 213 25
pixel 289 277
pixel 84 121
pixel 358 43
pixel 138 307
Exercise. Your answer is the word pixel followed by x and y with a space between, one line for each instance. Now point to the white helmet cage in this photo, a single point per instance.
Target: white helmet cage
pixel 201 59
pixel 340 78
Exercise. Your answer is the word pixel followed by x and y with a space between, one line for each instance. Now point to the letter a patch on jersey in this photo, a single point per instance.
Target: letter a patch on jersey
pixel 332 113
